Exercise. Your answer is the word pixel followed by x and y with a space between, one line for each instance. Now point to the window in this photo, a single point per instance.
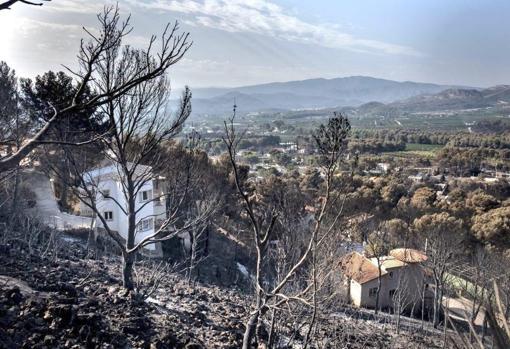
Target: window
pixel 372 292
pixel 391 274
pixel 145 195
pixel 145 224
pixel 392 293
pixel 106 193
pixel 108 215
pixel 160 201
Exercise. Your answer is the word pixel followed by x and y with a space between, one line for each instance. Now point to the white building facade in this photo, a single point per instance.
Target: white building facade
pixel 111 202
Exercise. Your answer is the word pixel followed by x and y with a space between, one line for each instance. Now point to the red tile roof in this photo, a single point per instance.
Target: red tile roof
pixel 408 255
pixel 359 268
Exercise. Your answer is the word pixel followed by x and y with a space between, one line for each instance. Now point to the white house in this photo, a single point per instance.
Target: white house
pixel 402 271
pixel 384 167
pixel 110 201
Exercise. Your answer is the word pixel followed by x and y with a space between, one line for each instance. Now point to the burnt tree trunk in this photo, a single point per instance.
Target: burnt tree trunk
pixel 250 329
pixel 127 271
pixel 378 286
pixel 15 194
pixel 437 302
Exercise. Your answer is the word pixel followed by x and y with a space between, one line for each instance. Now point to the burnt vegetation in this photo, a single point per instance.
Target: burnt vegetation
pixel 248 245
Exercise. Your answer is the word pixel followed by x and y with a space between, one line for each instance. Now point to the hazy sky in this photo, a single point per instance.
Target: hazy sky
pixel 247 42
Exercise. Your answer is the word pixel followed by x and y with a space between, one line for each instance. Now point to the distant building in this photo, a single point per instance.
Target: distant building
pixel 107 184
pixel 402 271
pixel 417 178
pixel 288 146
pixel 384 167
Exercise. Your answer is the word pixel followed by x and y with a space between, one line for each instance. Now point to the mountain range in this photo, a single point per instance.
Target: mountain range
pixel 309 94
pixel 449 100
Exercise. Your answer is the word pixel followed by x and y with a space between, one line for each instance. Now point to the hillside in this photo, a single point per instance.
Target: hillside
pixel 308 94
pixel 454 99
pixel 75 301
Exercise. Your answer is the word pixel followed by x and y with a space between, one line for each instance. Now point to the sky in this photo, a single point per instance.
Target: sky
pixel 236 42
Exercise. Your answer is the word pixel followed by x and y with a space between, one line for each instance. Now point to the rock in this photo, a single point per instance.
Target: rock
pixel 69 290
pixel 5 339
pixel 84 332
pixel 123 293
pixel 60 314
pixel 49 339
pixel 38 322
pixel 214 299
pixel 87 318
pixel 202 297
pixel 8 318
pixel 112 290
pixel 14 295
pixel 193 346
pixel 169 340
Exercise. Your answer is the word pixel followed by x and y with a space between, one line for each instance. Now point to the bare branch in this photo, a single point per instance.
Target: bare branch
pixel 6 5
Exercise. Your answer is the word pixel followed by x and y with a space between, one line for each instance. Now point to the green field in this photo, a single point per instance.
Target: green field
pixel 428 151
pixel 423 147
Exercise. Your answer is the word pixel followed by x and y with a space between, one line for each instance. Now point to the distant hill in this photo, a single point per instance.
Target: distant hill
pixel 307 94
pixel 453 99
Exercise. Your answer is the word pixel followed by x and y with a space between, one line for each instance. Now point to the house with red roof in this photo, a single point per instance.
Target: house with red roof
pixel 404 279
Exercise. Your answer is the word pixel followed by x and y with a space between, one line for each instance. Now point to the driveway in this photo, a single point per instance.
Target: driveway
pixel 46 207
pixel 460 309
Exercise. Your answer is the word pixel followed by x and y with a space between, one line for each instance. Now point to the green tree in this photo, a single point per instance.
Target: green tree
pixel 479 201
pixel 423 198
pixel 442 234
pixel 8 102
pixel 13 127
pixel 56 90
pixel 393 192
pixel 398 231
pixel 493 226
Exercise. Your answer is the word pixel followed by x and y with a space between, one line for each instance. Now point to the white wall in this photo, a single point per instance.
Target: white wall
pixel 356 293
pixel 146 212
pixel 105 204
pixel 107 180
pixel 412 277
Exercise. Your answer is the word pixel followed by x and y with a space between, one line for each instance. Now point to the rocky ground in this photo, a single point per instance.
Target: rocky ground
pixel 77 302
